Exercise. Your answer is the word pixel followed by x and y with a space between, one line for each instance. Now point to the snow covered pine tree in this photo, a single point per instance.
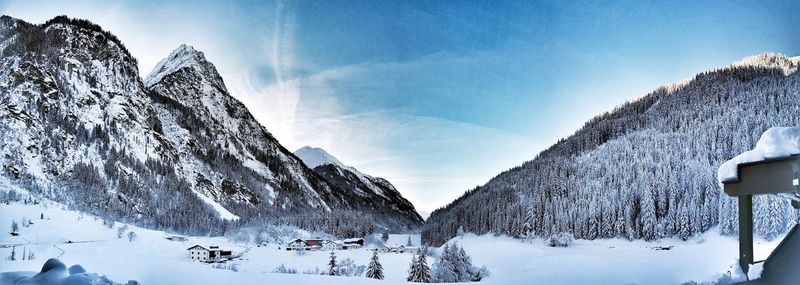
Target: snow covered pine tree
pixel 455 266
pixel 420 272
pixel 332 265
pixel 375 269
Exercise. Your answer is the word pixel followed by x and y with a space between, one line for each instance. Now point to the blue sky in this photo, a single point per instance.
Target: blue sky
pixel 439 96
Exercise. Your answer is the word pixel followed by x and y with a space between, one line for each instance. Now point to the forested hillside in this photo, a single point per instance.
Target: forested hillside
pixel 645 170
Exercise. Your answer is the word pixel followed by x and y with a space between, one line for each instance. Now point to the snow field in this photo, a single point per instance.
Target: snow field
pixel 152 259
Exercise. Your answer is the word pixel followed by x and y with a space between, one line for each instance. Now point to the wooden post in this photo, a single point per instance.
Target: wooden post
pixel 745 232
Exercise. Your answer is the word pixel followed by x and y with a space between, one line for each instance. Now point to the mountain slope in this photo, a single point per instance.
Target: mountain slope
pixel 378 191
pixel 80 126
pixel 645 170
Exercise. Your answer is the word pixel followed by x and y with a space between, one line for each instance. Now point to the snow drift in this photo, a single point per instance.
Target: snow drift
pixel 777 142
pixel 54 272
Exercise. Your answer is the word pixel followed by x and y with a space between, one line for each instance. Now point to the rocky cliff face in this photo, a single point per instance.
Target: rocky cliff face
pixel 174 150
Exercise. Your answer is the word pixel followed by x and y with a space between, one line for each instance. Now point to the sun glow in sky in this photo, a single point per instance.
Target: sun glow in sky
pixel 438 96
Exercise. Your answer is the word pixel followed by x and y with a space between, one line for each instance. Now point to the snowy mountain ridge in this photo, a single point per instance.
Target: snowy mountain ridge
pixel 770 60
pixel 348 178
pixel 80 125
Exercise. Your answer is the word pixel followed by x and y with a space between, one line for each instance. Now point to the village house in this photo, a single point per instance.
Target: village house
pixel 210 254
pixel 331 245
pixel 323 244
pixel 382 248
pixel 399 248
pixel 353 243
pixel 304 244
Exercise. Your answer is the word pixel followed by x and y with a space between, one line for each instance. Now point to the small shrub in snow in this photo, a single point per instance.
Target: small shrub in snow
pixel 121 231
pixel 560 240
pixel 108 222
pixel 360 270
pixel 314 271
pixel 27 255
pixel 227 266
pixel 283 269
pixel 347 267
pixel 385 237
pixel 14 226
pixel 131 236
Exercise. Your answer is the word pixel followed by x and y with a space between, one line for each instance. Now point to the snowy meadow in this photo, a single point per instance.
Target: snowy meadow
pixel 150 258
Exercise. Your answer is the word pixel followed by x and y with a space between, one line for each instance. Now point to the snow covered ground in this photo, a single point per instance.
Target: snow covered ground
pixel 77 238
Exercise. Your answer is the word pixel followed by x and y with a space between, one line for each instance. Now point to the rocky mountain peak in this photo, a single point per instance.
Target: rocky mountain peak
pixel 185 57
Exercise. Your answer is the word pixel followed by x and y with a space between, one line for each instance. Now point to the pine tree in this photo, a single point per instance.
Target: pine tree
pixel 13 253
pixel 443 271
pixel 375 269
pixel 332 265
pixel 463 265
pixel 647 215
pixel 419 272
pixel 385 236
pixel 409 243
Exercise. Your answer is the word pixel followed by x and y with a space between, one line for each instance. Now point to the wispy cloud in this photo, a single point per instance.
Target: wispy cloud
pixel 431 160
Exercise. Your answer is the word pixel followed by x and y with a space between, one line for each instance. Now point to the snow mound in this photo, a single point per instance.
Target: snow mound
pixel 54 272
pixel 774 143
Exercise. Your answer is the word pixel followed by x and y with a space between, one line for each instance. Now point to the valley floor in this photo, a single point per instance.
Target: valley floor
pixel 77 238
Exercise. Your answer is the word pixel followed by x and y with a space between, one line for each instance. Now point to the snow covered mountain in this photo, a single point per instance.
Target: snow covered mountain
pixel 378 191
pixel 172 151
pixel 645 170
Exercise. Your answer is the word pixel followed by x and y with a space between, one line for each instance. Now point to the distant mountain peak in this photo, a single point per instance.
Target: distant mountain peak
pixel 314 156
pixel 185 56
pixel 377 190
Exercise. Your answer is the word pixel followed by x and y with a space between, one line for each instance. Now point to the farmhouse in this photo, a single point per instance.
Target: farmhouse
pixel 399 248
pixel 304 244
pixel 210 254
pixel 382 248
pixel 323 244
pixel 331 245
pixel 353 243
